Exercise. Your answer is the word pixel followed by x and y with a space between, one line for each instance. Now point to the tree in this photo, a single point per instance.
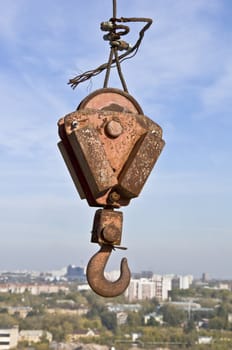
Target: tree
pixel 7 321
pixel 109 320
pixel 152 322
pixel 173 316
pixel 222 311
pixel 217 323
pixel 190 326
pixel 149 305
pixel 134 319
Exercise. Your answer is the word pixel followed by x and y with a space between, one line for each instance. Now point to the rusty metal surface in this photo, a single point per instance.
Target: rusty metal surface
pixel 117 149
pixel 71 168
pixel 111 99
pixel 140 165
pixel 107 227
pixel 97 280
pixel 109 149
pixel 90 154
pixel 107 231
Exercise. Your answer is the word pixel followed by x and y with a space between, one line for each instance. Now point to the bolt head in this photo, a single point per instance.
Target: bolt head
pixel 111 233
pixel 74 124
pixel 113 128
pixel 114 196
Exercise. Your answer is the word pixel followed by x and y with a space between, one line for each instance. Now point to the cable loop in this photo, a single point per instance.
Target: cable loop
pixel 115 31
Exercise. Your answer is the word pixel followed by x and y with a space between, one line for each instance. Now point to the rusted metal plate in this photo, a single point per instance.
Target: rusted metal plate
pixel 71 169
pixel 149 125
pixel 111 99
pixel 140 164
pixel 92 158
pixel 73 166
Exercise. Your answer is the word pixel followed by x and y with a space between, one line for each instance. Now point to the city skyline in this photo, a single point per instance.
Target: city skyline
pixel 181 77
pixel 62 271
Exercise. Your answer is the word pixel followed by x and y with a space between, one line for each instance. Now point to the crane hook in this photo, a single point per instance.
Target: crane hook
pixel 96 278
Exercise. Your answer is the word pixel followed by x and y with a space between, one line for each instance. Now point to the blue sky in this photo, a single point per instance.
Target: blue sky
pixel 182 78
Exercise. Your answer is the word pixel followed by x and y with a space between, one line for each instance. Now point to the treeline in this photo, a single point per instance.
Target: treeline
pixel 179 326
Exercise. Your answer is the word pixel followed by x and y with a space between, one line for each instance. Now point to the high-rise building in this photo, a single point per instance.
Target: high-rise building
pixel 140 289
pixel 205 277
pixel 182 282
pixel 75 273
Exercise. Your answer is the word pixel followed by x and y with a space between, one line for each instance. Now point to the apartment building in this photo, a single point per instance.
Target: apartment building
pixel 182 282
pixel 140 289
pixel 9 338
pixel 34 336
pixel 34 289
pixel 156 287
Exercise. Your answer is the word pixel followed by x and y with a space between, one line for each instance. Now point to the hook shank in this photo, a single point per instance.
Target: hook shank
pixel 96 278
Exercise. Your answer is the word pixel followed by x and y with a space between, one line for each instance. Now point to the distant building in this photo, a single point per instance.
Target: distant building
pixel 76 336
pixel 146 274
pixel 9 338
pixel 121 318
pixel 34 336
pixel 205 340
pixel 83 287
pixel 163 286
pixel 57 274
pixel 123 307
pixel 205 277
pixel 186 305
pixel 80 311
pixel 75 273
pixel 140 289
pixel 21 311
pixel 182 282
pixel 143 274
pixel 157 318
pixel 230 317
pixel 223 286
pixel 156 287
pixel 34 289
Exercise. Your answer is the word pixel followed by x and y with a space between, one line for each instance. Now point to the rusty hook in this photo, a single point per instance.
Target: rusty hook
pixel 96 278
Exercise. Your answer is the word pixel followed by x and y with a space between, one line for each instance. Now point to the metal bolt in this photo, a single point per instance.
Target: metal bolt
pixel 110 233
pixel 74 124
pixel 113 128
pixel 114 196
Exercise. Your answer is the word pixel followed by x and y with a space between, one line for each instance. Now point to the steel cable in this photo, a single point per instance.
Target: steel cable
pixel 115 60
